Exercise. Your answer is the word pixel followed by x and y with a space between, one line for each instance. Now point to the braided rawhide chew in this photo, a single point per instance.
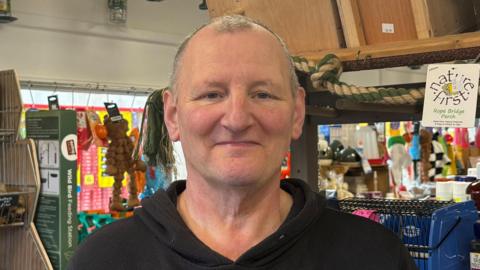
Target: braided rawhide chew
pixel 326 73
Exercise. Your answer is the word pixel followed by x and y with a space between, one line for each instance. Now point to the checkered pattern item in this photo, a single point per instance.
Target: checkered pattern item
pixel 438 159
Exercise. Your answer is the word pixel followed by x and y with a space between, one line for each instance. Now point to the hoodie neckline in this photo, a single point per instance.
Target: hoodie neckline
pixel 160 214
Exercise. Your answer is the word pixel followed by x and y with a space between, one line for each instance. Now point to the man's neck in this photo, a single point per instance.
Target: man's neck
pixel 231 221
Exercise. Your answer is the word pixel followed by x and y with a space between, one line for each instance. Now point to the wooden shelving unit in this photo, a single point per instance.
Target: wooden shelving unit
pixel 325 108
pixel 20 246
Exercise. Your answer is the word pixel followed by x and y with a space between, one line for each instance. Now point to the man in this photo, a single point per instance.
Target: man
pixel 235 105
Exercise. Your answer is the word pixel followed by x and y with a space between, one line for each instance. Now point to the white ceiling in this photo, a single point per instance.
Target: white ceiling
pixel 168 16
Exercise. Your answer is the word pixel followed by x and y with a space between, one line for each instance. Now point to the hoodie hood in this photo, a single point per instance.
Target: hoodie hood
pixel 159 214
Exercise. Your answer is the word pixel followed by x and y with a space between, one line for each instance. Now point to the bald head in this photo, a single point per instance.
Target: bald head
pixel 232 24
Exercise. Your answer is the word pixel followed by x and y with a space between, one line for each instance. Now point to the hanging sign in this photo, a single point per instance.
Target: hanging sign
pixel 451 95
pixel 113 111
pixel 53 103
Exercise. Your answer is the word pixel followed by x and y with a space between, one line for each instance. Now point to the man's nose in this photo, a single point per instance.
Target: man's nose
pixel 237 115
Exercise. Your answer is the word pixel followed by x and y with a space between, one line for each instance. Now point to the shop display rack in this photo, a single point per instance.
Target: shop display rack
pixel 20 246
pixel 324 108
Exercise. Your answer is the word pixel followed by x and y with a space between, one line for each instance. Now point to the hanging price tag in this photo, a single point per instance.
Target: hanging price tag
pixel 113 111
pixel 53 103
pixel 451 95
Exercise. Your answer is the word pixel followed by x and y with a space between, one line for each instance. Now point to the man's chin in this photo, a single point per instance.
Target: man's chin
pixel 242 179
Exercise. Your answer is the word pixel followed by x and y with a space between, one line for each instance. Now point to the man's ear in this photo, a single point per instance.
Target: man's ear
pixel 170 115
pixel 298 114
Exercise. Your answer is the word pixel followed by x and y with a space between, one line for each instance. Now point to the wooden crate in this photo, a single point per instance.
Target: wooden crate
pixel 305 25
pixel 367 22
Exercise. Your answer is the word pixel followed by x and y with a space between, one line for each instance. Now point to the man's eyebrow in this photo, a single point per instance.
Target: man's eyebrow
pixel 257 83
pixel 267 83
pixel 213 83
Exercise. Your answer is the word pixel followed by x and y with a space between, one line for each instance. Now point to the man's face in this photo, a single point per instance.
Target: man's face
pixel 235 113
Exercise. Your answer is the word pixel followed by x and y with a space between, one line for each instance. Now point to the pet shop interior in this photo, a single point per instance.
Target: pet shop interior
pixel 391 131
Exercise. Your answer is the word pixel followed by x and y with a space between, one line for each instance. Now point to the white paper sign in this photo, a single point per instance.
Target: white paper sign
pixel 451 95
pixel 388 28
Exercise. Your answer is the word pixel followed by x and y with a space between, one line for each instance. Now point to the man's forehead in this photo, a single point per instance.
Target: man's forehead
pixel 213 46
pixel 209 34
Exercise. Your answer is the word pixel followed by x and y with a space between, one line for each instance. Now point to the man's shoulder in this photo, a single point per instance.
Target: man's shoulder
pixel 356 226
pixel 368 242
pixel 121 230
pixel 109 246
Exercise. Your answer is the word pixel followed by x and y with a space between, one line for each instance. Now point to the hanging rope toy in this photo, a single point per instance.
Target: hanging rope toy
pixel 326 73
pixel 158 148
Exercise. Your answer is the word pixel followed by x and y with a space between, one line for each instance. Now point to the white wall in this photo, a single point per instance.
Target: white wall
pixel 68 40
pixel 388 76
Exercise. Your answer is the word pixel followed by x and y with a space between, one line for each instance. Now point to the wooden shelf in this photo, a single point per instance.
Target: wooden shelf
pixel 10 225
pixel 405 53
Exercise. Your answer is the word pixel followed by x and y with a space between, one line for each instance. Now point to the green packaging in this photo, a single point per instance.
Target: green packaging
pixel 55 134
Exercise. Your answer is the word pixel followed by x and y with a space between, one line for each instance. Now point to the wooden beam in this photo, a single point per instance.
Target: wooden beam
pixel 352 117
pixel 304 155
pixel 321 111
pixel 349 105
pixel 412 59
pixel 450 42
pixel 421 18
pixel 351 23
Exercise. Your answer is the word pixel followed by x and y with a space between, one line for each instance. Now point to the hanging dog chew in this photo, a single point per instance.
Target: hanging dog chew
pixel 119 160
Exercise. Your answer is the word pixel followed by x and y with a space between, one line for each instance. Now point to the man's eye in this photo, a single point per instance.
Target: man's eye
pixel 212 95
pixel 263 95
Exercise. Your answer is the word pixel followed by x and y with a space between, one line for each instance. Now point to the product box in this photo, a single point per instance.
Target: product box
pixel 55 134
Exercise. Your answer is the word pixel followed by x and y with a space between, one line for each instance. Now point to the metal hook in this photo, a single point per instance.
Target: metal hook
pixel 88 97
pixel 134 96
pixel 73 99
pixel 55 88
pixel 31 94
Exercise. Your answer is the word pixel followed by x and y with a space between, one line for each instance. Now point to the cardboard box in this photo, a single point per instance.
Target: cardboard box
pixel 55 134
pixel 367 22
pixel 304 25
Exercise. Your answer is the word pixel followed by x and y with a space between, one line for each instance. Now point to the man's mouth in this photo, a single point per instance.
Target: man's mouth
pixel 242 143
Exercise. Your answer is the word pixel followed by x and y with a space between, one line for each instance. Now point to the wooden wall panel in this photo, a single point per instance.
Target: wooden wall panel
pixel 412 19
pixel 374 13
pixel 305 25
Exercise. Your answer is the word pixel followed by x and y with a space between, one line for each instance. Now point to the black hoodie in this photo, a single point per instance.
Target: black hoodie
pixel 312 237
